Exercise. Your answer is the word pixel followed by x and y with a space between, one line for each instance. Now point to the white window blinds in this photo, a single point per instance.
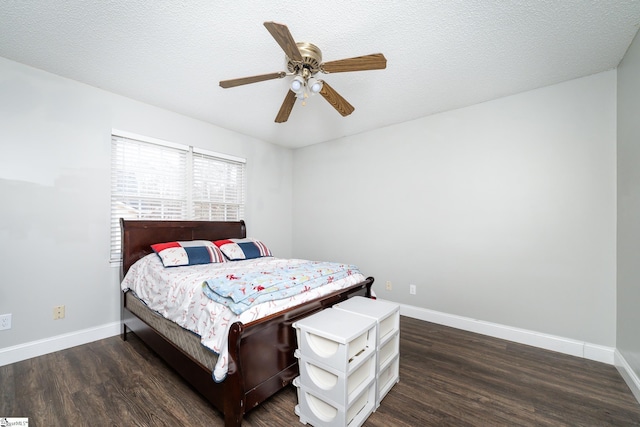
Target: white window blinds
pixel 171 182
pixel 218 188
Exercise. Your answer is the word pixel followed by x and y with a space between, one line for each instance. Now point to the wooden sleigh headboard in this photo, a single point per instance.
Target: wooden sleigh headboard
pixel 139 235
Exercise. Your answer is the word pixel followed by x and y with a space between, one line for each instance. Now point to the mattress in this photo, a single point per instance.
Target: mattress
pixel 176 293
pixel 182 338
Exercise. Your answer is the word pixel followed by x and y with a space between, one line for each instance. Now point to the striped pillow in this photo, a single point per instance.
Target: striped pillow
pixel 237 249
pixel 176 254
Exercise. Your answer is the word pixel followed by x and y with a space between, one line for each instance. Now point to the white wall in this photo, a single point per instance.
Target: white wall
pixel 54 192
pixel 628 310
pixel 503 211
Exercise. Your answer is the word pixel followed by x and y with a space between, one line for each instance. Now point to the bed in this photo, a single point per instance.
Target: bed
pixel 260 353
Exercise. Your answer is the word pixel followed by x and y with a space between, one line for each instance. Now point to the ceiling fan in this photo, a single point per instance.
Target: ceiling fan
pixel 304 62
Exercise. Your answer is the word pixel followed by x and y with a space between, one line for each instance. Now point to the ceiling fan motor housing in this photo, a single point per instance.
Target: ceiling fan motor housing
pixel 311 59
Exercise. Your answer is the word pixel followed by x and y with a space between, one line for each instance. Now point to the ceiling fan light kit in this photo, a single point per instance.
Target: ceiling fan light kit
pixel 303 61
pixel 297 84
pixel 314 85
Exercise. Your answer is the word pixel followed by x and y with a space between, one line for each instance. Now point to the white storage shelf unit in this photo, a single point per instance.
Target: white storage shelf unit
pixel 338 368
pixel 334 338
pixel 334 385
pixel 387 378
pixel 387 317
pixel 320 412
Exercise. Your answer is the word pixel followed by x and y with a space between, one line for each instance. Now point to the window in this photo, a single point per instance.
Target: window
pixel 153 179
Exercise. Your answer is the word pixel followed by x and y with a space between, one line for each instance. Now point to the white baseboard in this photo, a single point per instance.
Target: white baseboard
pixel 31 349
pixel 628 374
pixel 569 346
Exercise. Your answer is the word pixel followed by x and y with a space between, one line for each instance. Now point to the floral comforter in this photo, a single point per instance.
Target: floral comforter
pixel 177 294
pixel 275 280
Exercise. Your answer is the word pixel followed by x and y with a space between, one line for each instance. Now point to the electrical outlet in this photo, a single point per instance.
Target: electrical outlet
pixel 58 312
pixel 412 289
pixel 5 321
pixel 389 285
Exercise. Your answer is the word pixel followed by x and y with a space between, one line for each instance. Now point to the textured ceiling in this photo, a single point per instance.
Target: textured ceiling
pixel 441 54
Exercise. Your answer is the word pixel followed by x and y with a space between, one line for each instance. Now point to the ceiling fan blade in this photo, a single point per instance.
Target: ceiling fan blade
pixel 286 107
pixel 281 33
pixel 334 98
pixel 252 79
pixel 375 61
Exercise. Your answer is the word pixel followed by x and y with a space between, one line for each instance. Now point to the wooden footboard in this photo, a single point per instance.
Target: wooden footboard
pixel 264 353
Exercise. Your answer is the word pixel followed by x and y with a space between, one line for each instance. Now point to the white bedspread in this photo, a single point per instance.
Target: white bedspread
pixel 176 293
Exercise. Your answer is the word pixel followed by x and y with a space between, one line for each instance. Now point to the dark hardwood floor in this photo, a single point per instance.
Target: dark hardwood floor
pixel 447 377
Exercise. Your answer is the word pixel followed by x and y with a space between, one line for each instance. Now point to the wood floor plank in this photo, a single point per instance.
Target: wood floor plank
pixel 447 377
pixel 7 389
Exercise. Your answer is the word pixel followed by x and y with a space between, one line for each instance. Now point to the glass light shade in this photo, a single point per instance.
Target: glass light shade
pixel 314 85
pixel 297 84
